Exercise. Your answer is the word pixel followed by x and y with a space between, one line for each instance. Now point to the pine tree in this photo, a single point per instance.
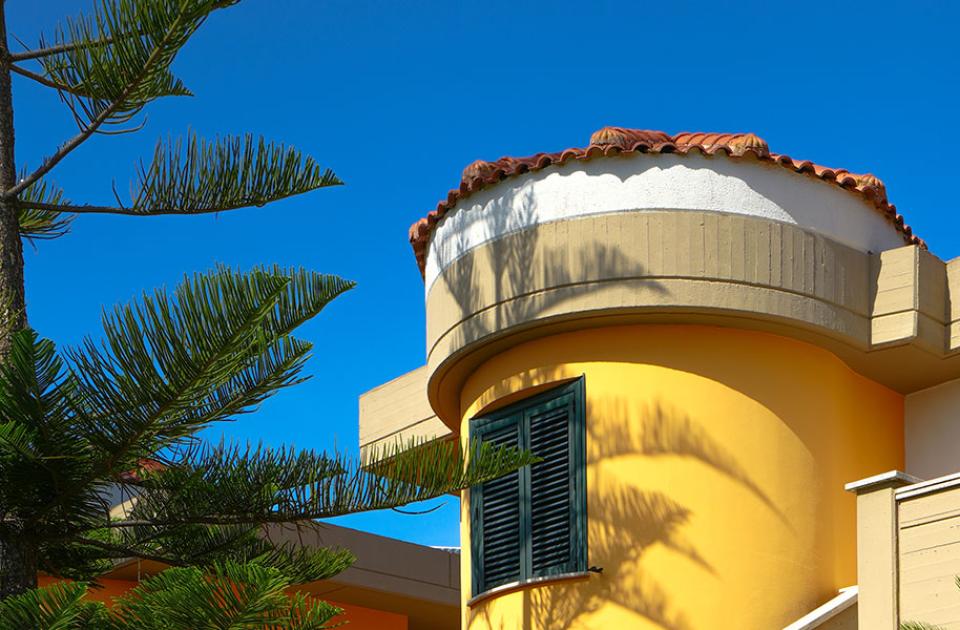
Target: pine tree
pixel 122 411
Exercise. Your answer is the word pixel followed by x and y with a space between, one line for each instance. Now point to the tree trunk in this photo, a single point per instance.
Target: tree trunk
pixel 18 558
pixel 18 567
pixel 12 312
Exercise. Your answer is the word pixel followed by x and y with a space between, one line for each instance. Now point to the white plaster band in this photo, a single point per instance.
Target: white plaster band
pixel 641 182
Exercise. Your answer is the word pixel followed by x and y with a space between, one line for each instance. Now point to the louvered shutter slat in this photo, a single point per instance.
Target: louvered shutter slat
pixel 550 488
pixel 501 520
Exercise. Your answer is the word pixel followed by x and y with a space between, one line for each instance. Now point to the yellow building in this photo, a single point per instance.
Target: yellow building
pixel 706 342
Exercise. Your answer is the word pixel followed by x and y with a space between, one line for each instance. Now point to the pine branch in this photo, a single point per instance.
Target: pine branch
pixel 60 87
pixel 41 214
pixel 32 395
pixel 229 594
pixel 123 77
pixel 16 438
pixel 83 209
pixel 47 51
pixel 143 374
pixel 224 174
pixel 50 162
pixel 206 545
pixel 199 176
pixel 39 78
pixel 229 486
pixel 119 552
pixel 57 49
pixel 173 364
pixel 59 606
pixel 168 366
pixel 65 149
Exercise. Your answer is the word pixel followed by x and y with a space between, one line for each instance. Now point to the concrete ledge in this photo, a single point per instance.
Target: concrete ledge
pixel 816 618
pixel 889 479
pixel 929 487
pixel 511 587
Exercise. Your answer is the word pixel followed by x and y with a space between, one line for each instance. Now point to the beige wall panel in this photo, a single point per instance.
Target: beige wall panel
pixel 910 300
pixel 932 281
pixel 953 336
pixel 940 533
pixel 953 304
pixel 931 335
pixel 929 549
pixel 399 410
pixel 924 508
pixel 896 270
pixel 894 327
pixel 932 432
pixel 897 297
pixel 383 563
pixel 953 289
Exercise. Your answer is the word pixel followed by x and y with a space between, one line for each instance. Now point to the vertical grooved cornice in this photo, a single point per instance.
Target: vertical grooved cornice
pixel 690 267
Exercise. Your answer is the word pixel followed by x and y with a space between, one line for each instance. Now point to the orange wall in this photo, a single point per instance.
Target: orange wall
pixel 111 588
pixel 369 619
pixel 358 617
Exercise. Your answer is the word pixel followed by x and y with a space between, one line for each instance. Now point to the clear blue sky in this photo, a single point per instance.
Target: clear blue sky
pixel 398 97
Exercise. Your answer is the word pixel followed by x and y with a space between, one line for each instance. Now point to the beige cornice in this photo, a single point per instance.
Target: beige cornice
pixel 888 315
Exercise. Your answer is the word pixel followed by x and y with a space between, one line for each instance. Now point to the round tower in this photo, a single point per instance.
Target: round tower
pixel 708 313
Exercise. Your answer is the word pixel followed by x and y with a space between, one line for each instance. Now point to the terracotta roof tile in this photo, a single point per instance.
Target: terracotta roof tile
pixel 144 466
pixel 611 141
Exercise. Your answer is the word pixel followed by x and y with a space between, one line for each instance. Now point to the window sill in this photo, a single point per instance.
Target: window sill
pixel 511 587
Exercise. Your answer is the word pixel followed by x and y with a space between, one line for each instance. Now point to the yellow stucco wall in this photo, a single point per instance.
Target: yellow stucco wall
pixel 716 464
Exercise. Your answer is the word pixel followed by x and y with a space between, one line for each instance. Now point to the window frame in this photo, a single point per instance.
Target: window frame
pixel 518 413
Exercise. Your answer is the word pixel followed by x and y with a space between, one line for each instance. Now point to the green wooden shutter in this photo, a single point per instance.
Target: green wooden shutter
pixel 497 557
pixel 532 523
pixel 550 490
pixel 557 503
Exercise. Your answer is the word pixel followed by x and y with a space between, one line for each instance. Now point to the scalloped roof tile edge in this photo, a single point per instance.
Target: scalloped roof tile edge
pixel 612 141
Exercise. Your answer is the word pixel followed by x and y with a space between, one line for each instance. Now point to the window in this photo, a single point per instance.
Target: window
pixel 532 523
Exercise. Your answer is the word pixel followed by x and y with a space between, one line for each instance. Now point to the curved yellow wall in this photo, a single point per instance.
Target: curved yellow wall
pixel 716 465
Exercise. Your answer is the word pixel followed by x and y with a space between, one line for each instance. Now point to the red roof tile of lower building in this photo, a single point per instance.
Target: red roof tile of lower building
pixel 613 141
